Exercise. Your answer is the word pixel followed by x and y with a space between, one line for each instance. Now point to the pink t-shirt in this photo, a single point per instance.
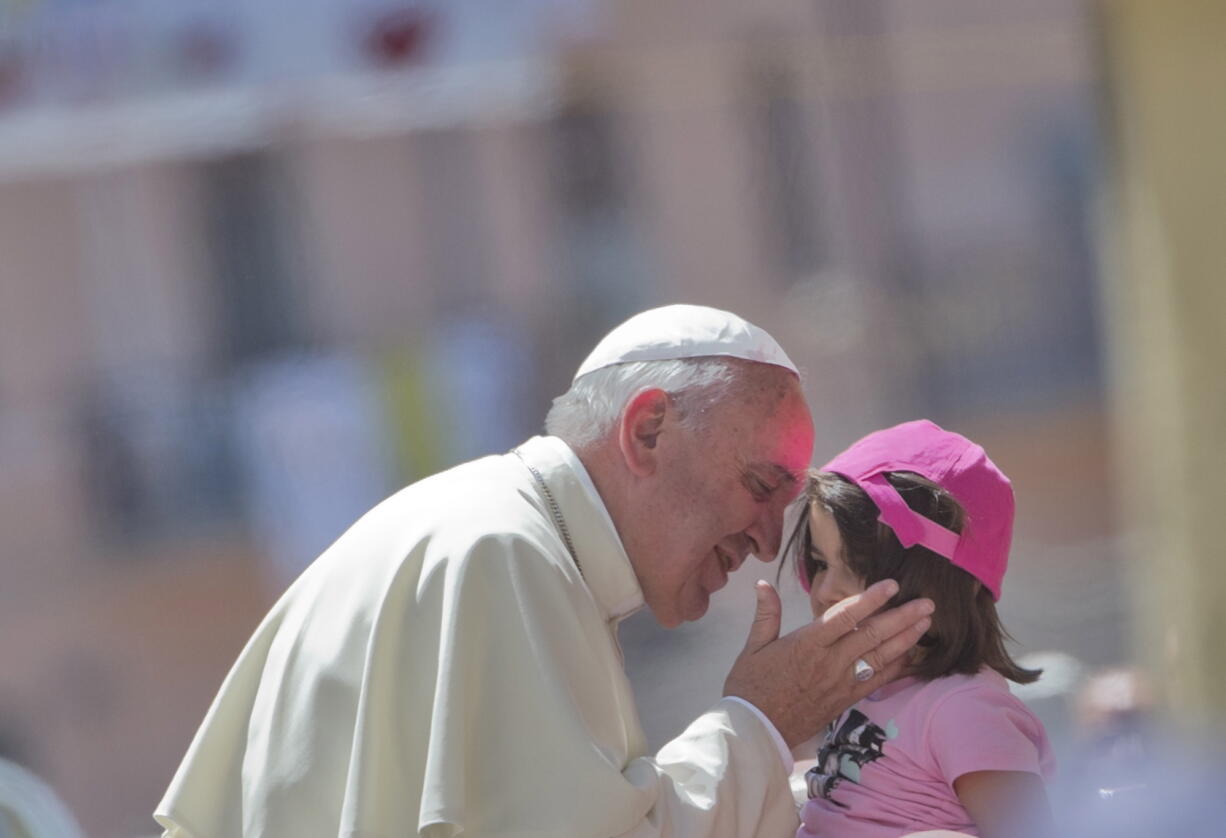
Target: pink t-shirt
pixel 887 766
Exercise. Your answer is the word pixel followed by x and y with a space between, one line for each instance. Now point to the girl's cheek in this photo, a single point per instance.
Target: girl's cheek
pixel 815 604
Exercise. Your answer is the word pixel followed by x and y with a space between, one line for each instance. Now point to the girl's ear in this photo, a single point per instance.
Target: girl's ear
pixel 639 432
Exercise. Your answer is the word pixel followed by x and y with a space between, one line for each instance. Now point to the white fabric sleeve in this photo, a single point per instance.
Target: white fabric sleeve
pixel 534 732
pixel 720 777
pixel 785 753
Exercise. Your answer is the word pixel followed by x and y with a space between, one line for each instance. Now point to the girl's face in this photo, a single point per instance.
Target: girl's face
pixel 834 580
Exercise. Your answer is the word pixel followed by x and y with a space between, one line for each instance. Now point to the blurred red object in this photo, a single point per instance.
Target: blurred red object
pixel 206 50
pixel 397 37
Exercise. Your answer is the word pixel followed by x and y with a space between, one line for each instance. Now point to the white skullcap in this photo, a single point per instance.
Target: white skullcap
pixel 684 331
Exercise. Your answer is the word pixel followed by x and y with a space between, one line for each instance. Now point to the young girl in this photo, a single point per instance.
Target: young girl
pixel 946 746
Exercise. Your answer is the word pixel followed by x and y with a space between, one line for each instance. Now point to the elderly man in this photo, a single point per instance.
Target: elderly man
pixel 451 664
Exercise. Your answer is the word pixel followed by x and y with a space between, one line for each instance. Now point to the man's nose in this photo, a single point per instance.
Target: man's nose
pixel 767 531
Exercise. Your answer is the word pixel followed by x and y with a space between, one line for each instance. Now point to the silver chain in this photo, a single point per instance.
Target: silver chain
pixel 554 509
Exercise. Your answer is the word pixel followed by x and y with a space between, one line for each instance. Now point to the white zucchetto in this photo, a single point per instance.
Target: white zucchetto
pixel 685 331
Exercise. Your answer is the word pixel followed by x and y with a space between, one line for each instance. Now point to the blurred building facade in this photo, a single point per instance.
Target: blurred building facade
pixel 287 256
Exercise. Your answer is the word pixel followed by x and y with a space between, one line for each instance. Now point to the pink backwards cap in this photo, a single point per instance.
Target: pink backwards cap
pixel 955 464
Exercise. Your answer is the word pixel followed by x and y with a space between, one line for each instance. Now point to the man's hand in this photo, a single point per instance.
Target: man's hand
pixel 803 680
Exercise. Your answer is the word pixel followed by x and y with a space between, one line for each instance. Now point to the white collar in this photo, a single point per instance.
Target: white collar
pixel 606 567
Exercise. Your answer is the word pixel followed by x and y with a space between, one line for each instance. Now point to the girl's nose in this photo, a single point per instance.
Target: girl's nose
pixel 834 588
pixel 827 591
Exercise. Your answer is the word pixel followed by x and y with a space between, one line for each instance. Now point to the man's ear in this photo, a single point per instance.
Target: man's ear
pixel 640 428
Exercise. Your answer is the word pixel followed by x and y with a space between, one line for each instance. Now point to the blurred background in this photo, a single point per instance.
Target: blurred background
pixel 264 261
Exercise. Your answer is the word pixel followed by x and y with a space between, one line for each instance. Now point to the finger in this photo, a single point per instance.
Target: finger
pixel 846 615
pixel 887 673
pixel 893 649
pixel 768 614
pixel 881 627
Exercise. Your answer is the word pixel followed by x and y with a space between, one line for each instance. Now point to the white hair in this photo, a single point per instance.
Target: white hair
pixel 589 409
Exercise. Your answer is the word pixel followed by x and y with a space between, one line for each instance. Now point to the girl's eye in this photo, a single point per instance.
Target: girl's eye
pixel 814 566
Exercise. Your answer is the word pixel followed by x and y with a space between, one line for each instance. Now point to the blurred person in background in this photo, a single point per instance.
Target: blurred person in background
pixel 451 664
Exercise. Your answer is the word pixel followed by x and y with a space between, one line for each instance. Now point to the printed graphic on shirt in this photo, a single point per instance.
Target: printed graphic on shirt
pixel 851 743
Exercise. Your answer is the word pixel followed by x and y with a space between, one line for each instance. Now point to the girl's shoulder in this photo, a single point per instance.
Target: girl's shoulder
pixel 960 723
pixel 974 722
pixel 986 678
pixel 987 686
pixel 949 696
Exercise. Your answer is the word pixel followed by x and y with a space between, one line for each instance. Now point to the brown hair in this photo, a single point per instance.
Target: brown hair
pixel 966 632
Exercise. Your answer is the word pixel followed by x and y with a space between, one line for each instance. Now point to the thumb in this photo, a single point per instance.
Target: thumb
pixel 767 617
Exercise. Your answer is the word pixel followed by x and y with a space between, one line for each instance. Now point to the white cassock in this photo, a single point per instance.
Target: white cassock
pixel 445 668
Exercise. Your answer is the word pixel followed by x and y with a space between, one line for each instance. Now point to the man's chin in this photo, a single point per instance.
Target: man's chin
pixel 698 609
pixel 687 613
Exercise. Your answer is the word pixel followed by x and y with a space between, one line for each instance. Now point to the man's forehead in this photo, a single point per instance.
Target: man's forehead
pixel 781 452
pixel 778 471
pixel 769 423
pixel 788 442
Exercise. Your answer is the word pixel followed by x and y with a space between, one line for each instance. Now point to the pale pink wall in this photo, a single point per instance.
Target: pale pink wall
pixel 369 275
pixel 44 341
pixel 142 268
pixel 512 161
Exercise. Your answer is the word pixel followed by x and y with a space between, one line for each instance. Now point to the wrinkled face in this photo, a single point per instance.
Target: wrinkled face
pixel 720 497
pixel 832 580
